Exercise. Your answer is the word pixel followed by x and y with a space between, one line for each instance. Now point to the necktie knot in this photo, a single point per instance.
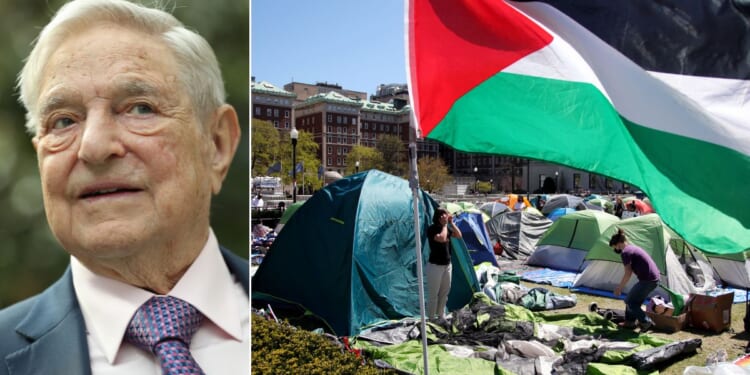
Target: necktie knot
pixel 165 326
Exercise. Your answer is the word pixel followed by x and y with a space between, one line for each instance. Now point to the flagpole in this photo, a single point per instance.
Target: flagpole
pixel 414 185
pixel 414 181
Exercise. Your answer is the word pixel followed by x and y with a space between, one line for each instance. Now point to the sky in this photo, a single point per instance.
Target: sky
pixel 356 44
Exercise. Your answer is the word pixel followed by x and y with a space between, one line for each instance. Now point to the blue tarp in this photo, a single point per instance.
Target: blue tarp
pixel 475 236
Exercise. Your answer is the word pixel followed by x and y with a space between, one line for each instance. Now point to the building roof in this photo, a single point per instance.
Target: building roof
pixel 264 87
pixel 331 97
pixel 383 107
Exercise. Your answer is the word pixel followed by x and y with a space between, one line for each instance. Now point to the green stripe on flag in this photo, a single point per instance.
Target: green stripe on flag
pixel 574 124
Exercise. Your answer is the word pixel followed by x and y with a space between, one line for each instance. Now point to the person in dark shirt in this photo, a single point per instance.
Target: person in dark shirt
pixel 439 263
pixel 638 262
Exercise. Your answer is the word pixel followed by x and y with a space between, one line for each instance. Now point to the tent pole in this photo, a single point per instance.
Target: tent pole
pixel 414 185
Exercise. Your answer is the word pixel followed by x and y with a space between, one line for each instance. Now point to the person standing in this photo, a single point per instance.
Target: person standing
pixel 619 207
pixel 636 261
pixel 439 264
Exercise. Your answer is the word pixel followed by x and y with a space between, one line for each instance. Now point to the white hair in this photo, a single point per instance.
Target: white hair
pixel 198 68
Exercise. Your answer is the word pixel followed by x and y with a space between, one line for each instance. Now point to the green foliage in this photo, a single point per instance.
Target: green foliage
pixel 484 187
pixel 394 155
pixel 369 158
pixel 284 349
pixel 265 146
pixel 30 257
pixel 433 173
pixel 307 153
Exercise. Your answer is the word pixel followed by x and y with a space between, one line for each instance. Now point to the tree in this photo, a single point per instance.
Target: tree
pixel 549 186
pixel 368 157
pixel 265 147
pixel 433 173
pixel 394 154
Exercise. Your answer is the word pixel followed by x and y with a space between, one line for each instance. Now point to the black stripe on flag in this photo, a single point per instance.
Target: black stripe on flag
pixel 690 37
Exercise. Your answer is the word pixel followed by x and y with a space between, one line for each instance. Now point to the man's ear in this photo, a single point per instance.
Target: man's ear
pixel 225 136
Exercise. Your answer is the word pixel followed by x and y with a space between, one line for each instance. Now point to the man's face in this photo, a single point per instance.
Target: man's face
pixel 618 247
pixel 124 162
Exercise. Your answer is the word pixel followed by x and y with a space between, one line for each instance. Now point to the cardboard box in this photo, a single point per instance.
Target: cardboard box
pixel 711 312
pixel 668 323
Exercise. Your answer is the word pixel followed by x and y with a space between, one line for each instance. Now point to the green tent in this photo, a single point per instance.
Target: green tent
pixel 288 215
pixel 648 232
pixel 348 255
pixel 566 243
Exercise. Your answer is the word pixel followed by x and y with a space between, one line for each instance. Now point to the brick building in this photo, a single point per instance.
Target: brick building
pixel 272 104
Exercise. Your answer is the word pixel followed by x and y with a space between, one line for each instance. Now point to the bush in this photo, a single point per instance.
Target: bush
pixel 284 349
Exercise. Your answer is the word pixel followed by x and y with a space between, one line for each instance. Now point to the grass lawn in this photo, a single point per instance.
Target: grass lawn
pixel 733 340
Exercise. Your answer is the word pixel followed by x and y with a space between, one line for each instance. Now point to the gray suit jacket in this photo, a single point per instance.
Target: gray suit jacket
pixel 45 334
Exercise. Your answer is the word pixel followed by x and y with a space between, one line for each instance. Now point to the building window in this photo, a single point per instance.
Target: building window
pixel 275 113
pixel 354 121
pixel 576 181
pixel 330 117
pixel 286 124
pixel 286 113
pixel 276 123
pixel 330 150
pixel 364 126
pixel 338 161
pixel 338 119
pixel 338 150
pixel 329 161
pixel 269 112
pixel 257 110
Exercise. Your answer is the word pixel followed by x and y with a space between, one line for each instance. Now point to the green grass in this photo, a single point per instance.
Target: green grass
pixel 733 340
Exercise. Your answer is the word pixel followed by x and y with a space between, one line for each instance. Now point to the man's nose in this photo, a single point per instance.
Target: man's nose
pixel 100 138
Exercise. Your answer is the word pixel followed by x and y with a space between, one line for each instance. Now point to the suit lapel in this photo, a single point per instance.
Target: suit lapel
pixel 55 329
pixel 57 334
pixel 239 267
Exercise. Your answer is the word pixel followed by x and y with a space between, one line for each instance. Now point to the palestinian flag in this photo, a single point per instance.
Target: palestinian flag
pixel 527 79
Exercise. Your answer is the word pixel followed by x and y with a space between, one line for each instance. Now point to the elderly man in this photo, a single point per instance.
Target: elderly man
pixel 133 137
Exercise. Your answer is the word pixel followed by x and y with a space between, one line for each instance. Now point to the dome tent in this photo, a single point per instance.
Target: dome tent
pixel 648 232
pixel 347 256
pixel 565 244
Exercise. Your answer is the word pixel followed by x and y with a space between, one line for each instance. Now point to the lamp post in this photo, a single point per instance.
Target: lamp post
pixel 492 185
pixel 294 134
pixel 557 188
pixel 476 179
pixel 356 166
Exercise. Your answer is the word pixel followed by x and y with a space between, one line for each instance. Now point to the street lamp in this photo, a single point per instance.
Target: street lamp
pixel 557 188
pixel 492 185
pixel 356 166
pixel 476 179
pixel 294 134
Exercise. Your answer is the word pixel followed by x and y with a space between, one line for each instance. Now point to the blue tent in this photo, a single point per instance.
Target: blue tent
pixel 348 256
pixel 561 211
pixel 476 238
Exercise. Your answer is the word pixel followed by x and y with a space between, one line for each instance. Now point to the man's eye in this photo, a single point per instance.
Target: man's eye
pixel 62 123
pixel 141 109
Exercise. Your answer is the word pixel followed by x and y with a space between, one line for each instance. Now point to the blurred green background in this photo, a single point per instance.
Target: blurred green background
pixel 30 257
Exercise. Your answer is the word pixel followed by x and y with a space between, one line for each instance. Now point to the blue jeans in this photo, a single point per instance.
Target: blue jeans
pixel 634 300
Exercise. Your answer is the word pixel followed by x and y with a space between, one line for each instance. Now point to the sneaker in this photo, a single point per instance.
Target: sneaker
pixel 626 324
pixel 645 326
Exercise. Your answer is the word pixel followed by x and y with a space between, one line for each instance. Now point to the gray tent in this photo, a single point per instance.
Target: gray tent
pixel 518 232
pixel 733 269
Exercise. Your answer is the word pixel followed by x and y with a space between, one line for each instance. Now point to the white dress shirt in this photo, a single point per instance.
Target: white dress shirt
pixel 220 346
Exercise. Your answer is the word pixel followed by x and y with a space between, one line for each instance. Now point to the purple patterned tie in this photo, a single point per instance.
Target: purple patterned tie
pixel 164 326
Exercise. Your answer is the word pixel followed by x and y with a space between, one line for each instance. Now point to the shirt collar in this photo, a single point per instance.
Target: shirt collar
pixel 108 305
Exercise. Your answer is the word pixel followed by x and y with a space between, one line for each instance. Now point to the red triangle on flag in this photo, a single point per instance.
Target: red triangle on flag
pixel 455 45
